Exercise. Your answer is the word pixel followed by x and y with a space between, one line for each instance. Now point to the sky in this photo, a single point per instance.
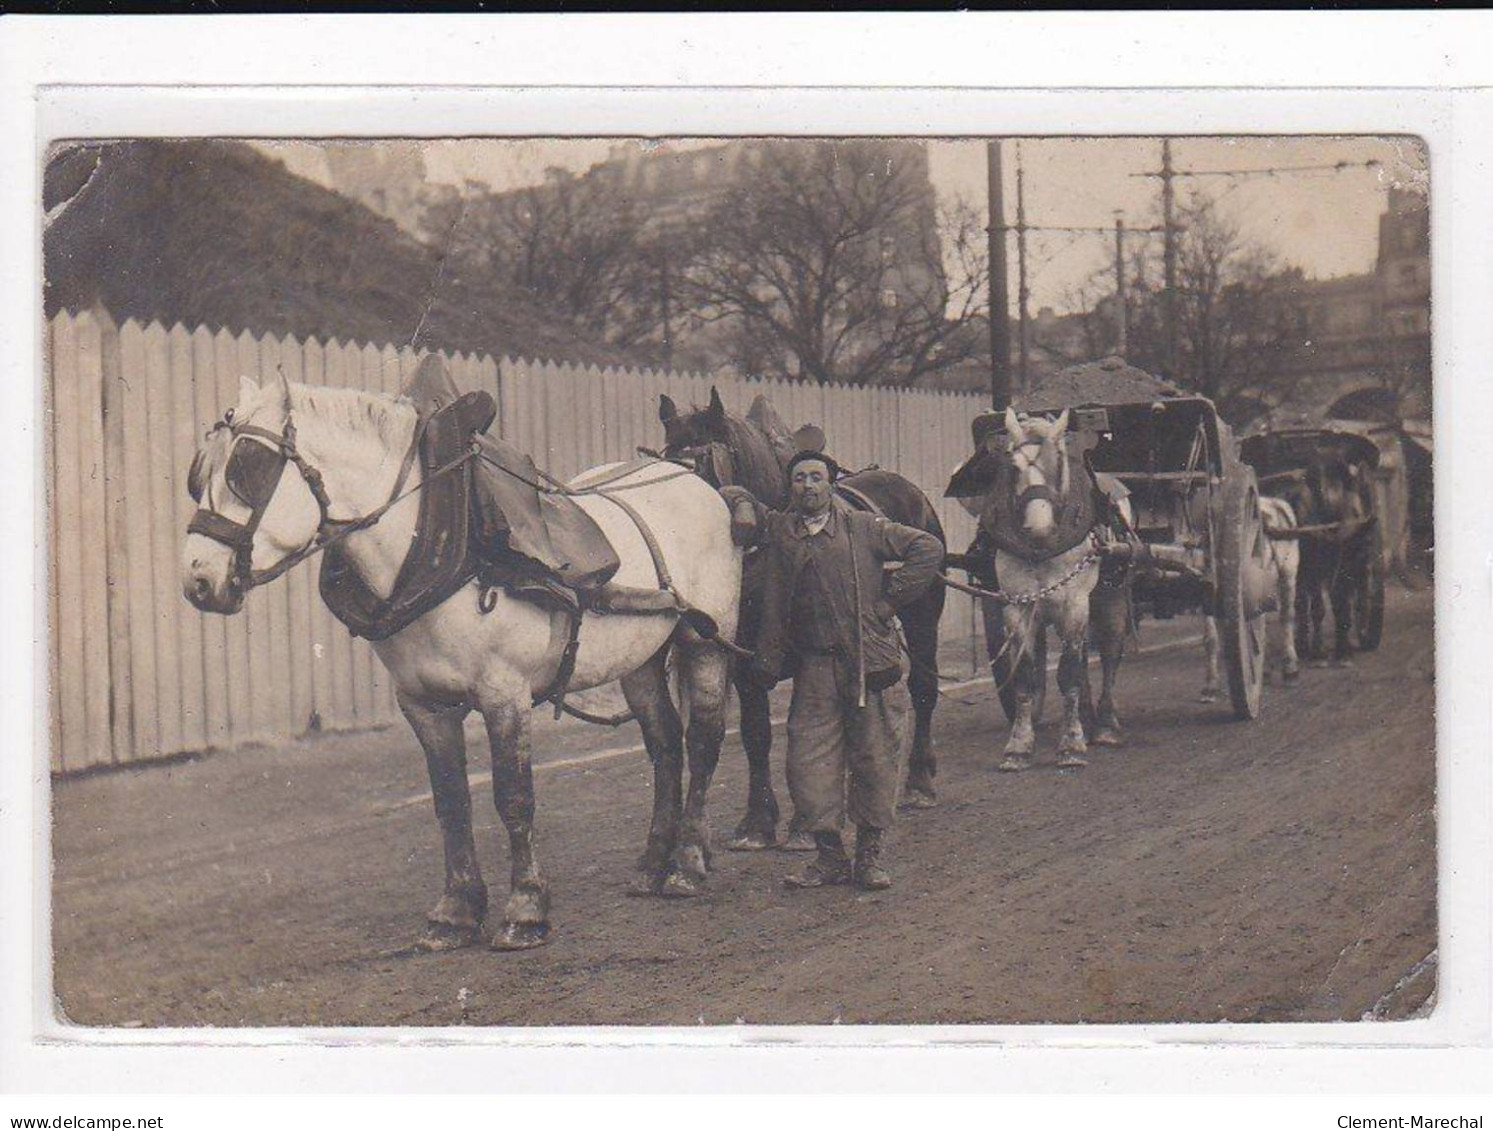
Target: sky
pixel 1323 221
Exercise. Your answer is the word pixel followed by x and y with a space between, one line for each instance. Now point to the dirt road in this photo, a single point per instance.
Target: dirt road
pixel 1211 870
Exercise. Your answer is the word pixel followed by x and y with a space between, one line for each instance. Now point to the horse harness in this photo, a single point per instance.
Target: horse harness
pixel 256 463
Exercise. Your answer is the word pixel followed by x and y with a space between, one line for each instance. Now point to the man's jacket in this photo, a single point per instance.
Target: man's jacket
pixel 862 596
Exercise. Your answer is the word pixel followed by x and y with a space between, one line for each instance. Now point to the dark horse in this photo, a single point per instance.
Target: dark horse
pixel 1332 495
pixel 753 453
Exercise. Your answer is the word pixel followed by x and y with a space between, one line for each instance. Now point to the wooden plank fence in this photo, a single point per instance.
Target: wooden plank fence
pixel 137 673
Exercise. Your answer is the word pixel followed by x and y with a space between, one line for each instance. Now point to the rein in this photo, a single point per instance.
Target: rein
pixel 602 487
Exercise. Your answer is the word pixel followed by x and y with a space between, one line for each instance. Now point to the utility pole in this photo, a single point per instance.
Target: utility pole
pixel 1169 259
pixel 1171 229
pixel 1123 311
pixel 1000 330
pixel 1022 293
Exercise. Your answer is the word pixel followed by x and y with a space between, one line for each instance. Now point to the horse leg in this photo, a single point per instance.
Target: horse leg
pixel 1212 690
pixel 1286 590
pixel 1087 715
pixel 759 827
pixel 920 626
pixel 1022 742
pixel 706 677
pixel 456 919
pixel 647 693
pixel 1109 612
pixel 1303 613
pixel 506 710
pixel 1342 614
pixel 1072 746
pixel 1318 608
pixel 1072 621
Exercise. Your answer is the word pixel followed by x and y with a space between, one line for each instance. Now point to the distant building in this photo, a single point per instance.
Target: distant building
pixel 388 177
pixel 1360 345
pixel 1356 346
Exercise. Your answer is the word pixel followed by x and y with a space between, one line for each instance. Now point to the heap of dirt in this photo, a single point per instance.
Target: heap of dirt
pixel 1110 381
pixel 214 233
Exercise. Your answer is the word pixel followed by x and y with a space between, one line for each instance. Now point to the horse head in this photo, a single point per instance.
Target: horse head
pixel 1340 494
pixel 253 519
pixel 726 450
pixel 1038 475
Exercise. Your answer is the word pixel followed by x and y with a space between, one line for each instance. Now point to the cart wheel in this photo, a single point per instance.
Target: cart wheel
pixel 1002 667
pixel 1244 580
pixel 1368 612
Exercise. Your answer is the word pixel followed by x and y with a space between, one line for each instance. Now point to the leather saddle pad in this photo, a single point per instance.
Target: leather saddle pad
pixel 512 516
pixel 504 515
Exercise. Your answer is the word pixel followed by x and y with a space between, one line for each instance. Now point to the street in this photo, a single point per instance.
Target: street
pixel 1280 870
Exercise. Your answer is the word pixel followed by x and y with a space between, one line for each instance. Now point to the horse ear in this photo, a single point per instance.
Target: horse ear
pixel 248 389
pixel 667 409
pixel 1013 428
pixel 284 391
pixel 716 409
pixel 1060 425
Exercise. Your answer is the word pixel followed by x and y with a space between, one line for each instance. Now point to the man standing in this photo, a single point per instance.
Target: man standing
pixel 828 611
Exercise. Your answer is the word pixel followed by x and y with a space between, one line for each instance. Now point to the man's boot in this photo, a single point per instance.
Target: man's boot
pixel 831 866
pixel 869 874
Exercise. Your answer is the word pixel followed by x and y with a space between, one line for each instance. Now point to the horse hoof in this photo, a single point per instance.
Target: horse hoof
pixel 682 885
pixel 1341 664
pixel 1011 764
pixel 1072 761
pixel 1208 695
pixel 916 798
pixel 692 859
pixel 1291 675
pixel 646 884
pixel 753 841
pixel 440 937
pixel 798 842
pixel 1108 736
pixel 521 936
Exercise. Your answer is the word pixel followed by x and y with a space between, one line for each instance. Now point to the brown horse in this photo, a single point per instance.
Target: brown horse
pixel 752 453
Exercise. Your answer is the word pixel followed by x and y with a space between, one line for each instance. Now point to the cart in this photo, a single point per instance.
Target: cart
pixel 1196 542
pixel 1283 454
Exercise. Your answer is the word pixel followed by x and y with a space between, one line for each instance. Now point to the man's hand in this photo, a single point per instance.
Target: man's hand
pixel 884 610
pixel 743 522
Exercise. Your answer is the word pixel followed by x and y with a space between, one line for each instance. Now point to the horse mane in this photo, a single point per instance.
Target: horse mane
pixel 355 410
pixel 758 456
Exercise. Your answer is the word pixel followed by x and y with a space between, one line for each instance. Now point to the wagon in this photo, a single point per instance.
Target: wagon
pixel 1196 543
pixel 1281 454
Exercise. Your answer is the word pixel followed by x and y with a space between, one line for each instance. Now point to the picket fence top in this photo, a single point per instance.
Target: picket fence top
pixel 100 317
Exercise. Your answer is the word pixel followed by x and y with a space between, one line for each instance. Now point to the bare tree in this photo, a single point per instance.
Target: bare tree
pixel 1233 335
pixel 827 264
pixel 577 244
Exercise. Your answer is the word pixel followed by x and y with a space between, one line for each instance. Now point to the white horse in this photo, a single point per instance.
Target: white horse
pixel 1038 450
pixel 1285 554
pixel 341 460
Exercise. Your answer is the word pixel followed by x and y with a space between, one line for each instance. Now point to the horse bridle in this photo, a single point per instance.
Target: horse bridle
pixel 712 461
pixel 256 489
pixel 1036 491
